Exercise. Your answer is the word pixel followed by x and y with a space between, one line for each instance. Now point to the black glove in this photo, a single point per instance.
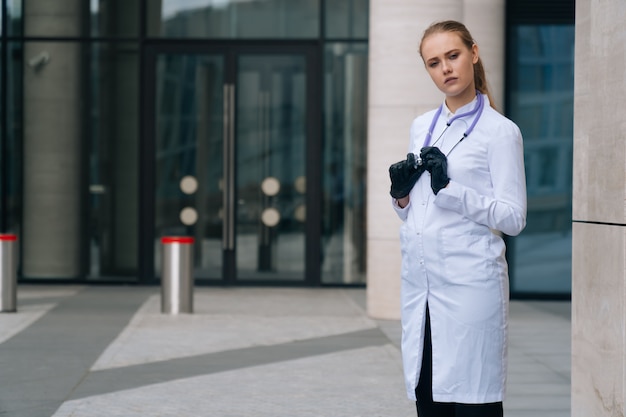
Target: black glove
pixel 437 164
pixel 404 175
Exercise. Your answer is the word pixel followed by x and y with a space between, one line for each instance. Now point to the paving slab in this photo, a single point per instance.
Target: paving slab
pixel 108 351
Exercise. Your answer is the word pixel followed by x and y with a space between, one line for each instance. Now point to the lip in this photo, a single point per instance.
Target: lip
pixel 450 79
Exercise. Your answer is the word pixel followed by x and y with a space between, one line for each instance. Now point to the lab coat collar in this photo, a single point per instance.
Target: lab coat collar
pixel 469 106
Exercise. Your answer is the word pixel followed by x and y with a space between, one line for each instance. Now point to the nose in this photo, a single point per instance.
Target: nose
pixel 446 67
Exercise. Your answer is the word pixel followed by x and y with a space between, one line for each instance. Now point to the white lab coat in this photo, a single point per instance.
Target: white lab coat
pixel 453 256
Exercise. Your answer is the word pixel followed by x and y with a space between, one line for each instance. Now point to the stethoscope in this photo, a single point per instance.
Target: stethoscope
pixel 477 110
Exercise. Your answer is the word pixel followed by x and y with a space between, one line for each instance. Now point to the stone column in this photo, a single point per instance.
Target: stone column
pixel 599 217
pixel 52 213
pixel 399 90
pixel 485 21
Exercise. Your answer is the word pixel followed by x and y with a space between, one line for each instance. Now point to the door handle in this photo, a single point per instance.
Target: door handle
pixel 228 225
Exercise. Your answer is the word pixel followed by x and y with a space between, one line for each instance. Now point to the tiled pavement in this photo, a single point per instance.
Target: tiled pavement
pixel 108 351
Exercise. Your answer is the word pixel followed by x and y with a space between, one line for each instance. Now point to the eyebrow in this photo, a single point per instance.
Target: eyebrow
pixel 444 54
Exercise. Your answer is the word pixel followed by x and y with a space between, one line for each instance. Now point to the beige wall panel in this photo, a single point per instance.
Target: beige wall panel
pixel 582 107
pixel 396 72
pixel 599 250
pixel 598 320
pixel 383 273
pixel 399 89
pixel 599 138
pixel 485 21
pixel 581 175
pixel 389 142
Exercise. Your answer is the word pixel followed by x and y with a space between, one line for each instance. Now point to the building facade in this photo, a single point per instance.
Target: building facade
pixel 264 129
pixel 239 123
pixel 599 220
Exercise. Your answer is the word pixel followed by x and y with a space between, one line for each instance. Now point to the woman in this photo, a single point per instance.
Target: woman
pixel 462 184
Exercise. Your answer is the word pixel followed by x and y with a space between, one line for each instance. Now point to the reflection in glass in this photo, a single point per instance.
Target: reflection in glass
pixel 14 17
pixel 189 111
pixel 113 170
pixel 11 144
pixel 271 138
pixel 188 216
pixel 282 19
pixel 114 18
pixel 541 103
pixel 13 159
pixel 347 19
pixel 344 163
pixel 270 186
pixel 4 176
pixel 189 184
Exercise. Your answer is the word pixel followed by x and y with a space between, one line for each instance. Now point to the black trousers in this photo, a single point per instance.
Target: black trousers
pixel 426 407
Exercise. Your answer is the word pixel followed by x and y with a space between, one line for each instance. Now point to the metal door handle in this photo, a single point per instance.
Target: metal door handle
pixel 228 225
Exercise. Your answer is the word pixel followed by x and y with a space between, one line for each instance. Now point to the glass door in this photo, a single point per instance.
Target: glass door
pixel 231 130
pixel 189 163
pixel 270 166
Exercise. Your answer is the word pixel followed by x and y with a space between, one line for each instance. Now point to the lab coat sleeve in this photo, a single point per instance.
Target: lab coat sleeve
pixel 402 212
pixel 506 210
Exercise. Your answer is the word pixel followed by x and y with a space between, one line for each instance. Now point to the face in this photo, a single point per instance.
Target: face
pixel 450 64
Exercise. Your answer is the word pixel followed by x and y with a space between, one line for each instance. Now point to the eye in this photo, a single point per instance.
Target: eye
pixel 454 56
pixel 433 64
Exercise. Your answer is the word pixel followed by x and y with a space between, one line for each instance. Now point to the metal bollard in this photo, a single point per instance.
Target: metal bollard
pixel 177 275
pixel 8 273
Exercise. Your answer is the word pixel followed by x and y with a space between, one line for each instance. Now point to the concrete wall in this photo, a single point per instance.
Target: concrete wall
pixel 399 90
pixel 599 235
pixel 53 95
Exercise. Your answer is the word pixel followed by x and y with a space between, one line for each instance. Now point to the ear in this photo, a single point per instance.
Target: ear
pixel 475 54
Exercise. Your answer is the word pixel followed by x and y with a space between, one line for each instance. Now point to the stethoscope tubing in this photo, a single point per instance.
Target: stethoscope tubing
pixel 478 110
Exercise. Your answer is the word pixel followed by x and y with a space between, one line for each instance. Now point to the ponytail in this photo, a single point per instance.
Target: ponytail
pixel 480 81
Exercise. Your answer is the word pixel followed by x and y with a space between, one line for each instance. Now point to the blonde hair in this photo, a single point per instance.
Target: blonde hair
pixel 480 80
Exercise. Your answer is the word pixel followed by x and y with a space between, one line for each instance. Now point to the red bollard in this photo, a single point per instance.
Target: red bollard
pixel 177 275
pixel 8 273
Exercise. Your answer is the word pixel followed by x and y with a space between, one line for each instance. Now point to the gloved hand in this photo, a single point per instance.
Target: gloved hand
pixel 437 164
pixel 404 175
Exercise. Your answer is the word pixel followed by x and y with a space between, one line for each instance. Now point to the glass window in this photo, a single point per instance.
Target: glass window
pixel 541 102
pixel 279 19
pixel 344 163
pixel 113 159
pixel 10 142
pixel 189 156
pixel 346 19
pixel 3 155
pixel 114 18
pixel 13 169
pixel 270 164
pixel 14 17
